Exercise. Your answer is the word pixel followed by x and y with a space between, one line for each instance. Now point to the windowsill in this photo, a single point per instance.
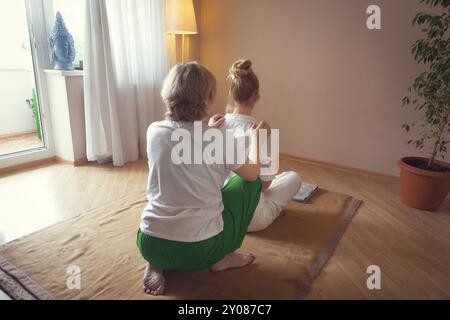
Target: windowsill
pixel 65 73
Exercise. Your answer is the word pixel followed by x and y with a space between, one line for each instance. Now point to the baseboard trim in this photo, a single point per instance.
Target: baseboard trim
pixel 76 163
pixel 339 167
pixel 284 156
pixel 80 162
pixel 17 134
pixel 38 163
pixel 28 165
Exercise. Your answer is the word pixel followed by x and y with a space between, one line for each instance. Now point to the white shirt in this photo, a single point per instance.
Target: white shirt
pixel 240 123
pixel 184 200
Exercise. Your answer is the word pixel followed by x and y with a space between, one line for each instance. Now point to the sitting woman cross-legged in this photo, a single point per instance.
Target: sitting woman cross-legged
pixel 278 189
pixel 193 222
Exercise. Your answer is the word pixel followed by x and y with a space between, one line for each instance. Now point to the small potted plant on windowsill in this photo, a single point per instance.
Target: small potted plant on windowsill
pixel 425 182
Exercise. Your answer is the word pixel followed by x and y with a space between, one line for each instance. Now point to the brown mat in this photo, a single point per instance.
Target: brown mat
pixel 289 255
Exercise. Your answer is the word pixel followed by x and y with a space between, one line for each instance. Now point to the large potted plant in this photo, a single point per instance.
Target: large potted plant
pixel 425 182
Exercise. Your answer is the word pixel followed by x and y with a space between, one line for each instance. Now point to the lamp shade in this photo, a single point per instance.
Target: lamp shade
pixel 180 17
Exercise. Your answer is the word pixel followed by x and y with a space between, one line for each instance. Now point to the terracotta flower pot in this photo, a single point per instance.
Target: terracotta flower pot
pixel 423 189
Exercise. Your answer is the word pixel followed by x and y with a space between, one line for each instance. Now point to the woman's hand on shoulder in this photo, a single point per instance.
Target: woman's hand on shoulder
pixel 263 125
pixel 216 121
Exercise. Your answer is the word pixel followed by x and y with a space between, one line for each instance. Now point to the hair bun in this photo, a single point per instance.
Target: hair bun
pixel 241 68
pixel 243 81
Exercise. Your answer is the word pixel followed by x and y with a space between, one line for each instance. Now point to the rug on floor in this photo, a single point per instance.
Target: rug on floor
pixel 99 247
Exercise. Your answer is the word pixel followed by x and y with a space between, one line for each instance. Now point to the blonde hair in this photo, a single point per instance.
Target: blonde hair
pixel 243 81
pixel 185 91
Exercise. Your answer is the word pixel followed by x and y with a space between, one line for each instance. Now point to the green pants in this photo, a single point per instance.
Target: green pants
pixel 240 199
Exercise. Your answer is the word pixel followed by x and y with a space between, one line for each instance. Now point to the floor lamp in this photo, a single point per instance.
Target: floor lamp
pixel 180 17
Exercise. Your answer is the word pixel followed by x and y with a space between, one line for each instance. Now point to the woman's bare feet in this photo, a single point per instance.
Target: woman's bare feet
pixel 154 281
pixel 233 260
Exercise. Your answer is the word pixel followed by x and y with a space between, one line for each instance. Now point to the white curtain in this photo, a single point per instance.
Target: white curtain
pixel 126 60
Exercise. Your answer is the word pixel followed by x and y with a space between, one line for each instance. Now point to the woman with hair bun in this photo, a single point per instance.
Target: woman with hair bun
pixel 244 94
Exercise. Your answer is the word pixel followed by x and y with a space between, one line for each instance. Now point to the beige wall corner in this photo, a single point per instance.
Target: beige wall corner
pixel 332 86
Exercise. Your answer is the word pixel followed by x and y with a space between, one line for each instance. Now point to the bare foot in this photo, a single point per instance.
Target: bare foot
pixel 154 281
pixel 233 260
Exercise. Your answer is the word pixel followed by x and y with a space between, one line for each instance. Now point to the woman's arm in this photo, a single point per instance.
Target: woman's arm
pixel 216 121
pixel 248 171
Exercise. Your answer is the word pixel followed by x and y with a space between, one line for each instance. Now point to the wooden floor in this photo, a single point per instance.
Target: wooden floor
pixel 17 143
pixel 411 247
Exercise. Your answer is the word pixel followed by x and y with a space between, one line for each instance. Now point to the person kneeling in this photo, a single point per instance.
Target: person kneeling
pixel 193 222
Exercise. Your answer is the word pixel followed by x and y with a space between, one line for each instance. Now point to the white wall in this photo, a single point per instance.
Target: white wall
pixel 66 103
pixel 16 77
pixel 15 52
pixel 15 88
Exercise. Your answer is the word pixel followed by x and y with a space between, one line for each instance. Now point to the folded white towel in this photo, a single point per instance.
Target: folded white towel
pixel 305 193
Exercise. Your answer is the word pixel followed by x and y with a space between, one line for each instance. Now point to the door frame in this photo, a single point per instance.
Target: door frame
pixel 39 17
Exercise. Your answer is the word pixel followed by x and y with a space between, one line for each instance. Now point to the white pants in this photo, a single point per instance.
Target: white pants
pixel 274 200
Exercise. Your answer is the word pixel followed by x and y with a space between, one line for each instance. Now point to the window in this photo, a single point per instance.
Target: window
pixel 73 13
pixel 20 120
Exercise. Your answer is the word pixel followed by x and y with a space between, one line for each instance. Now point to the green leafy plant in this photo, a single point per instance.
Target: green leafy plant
pixel 430 92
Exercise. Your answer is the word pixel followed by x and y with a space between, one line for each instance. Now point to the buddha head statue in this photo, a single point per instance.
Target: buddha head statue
pixel 61 45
